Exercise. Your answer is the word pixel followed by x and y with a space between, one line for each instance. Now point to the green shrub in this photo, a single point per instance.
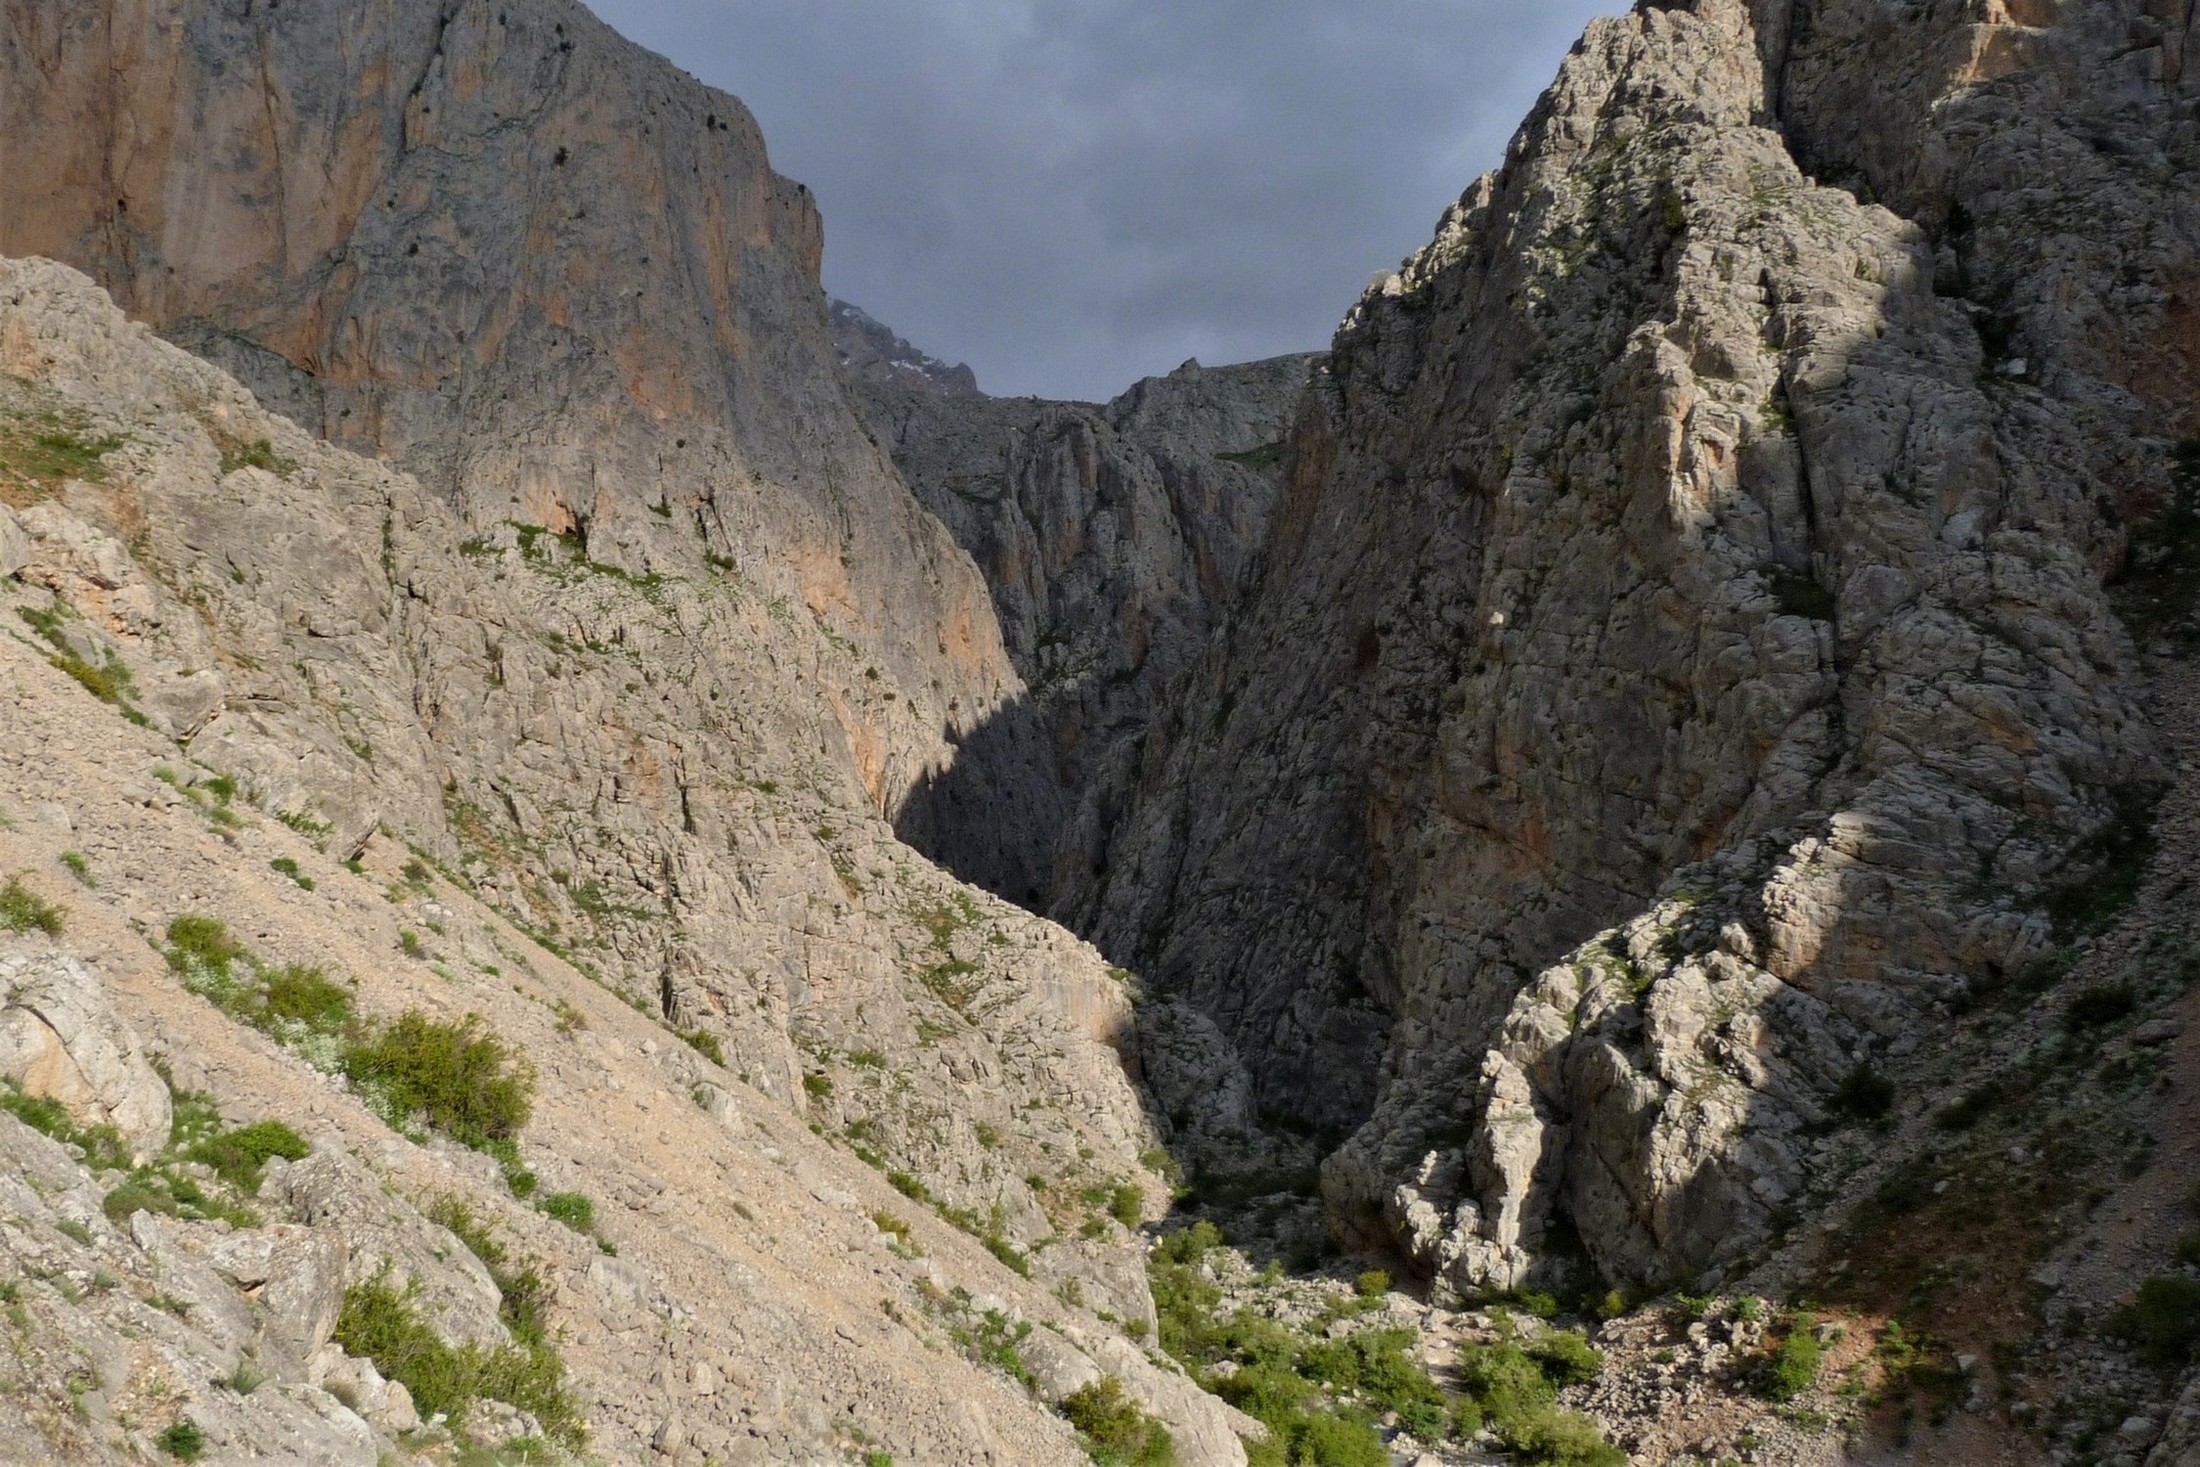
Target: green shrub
pixel 79 866
pixel 201 946
pixel 458 1078
pixel 1566 1358
pixel 1373 1284
pixel 706 1044
pixel 2102 1005
pixel 286 866
pixel 238 1157
pixel 21 910
pixel 1117 1432
pixel 1864 1094
pixel 1792 1368
pixel 575 1209
pixel 1127 1203
pixel 184 1441
pixel 1336 1441
pixel 2164 1321
pixel 1559 1439
pixel 818 1087
pixel 305 996
pixel 384 1325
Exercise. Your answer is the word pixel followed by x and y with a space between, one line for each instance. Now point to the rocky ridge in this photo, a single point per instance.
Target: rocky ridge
pixel 870 352
pixel 1746 611
pixel 305 662
pixel 543 270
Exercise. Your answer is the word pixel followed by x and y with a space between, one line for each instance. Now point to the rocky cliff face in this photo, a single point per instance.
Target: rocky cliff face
pixel 539 268
pixel 1116 537
pixel 870 352
pixel 1702 541
pixel 258 682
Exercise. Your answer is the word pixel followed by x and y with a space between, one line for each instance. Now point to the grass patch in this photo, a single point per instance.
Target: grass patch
pixel 183 1440
pixel 574 1209
pixel 251 453
pixel 109 681
pixel 287 867
pixel 42 450
pixel 22 910
pixel 385 1325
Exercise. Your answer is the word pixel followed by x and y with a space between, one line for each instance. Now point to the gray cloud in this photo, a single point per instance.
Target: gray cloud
pixel 1072 194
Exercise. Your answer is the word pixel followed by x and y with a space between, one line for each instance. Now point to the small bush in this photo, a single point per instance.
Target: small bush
pixel 287 867
pixel 383 1325
pixel 459 1078
pixel 575 1209
pixel 1566 1358
pixel 305 996
pixel 1373 1284
pixel 1864 1094
pixel 706 1044
pixel 202 946
pixel 1792 1368
pixel 2164 1321
pixel 2097 1006
pixel 1127 1203
pixel 79 867
pixel 1337 1441
pixel 239 1157
pixel 1117 1432
pixel 1559 1439
pixel 184 1441
pixel 21 910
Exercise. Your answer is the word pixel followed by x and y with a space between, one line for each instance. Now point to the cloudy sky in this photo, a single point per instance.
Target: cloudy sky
pixel 1073 194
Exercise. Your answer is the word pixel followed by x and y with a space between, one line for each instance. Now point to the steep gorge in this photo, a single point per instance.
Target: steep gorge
pixel 1742 543
pixel 1668 712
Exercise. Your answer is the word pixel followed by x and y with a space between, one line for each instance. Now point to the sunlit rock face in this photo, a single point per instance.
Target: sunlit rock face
pixel 542 269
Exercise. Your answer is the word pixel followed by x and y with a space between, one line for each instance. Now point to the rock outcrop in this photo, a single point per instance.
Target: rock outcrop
pixel 60 1041
pixel 541 269
pixel 485 774
pixel 1693 550
pixel 1116 537
pixel 871 353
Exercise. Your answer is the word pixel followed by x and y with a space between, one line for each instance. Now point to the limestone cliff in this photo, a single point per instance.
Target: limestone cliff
pixel 538 267
pixel 1115 537
pixel 253 681
pixel 1692 547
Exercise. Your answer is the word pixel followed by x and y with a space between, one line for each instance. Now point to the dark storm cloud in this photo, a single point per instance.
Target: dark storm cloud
pixel 1071 194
